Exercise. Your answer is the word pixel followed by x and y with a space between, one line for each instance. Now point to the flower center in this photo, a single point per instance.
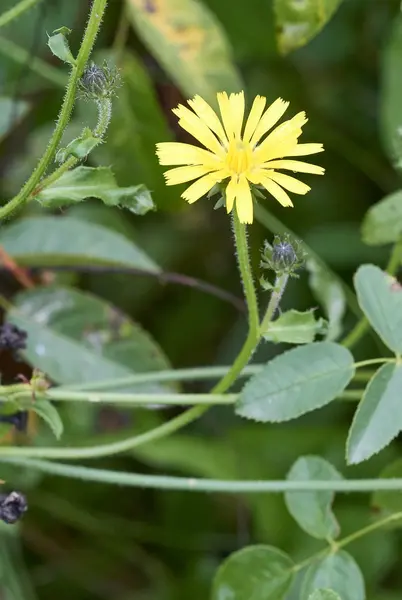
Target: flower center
pixel 239 157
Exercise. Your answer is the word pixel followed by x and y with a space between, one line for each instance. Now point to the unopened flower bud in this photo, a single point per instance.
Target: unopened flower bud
pixel 285 256
pixel 12 507
pixel 99 82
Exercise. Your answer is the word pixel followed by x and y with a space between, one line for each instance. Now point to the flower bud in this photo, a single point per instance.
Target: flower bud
pixel 99 82
pixel 12 507
pixel 285 256
pixel 12 337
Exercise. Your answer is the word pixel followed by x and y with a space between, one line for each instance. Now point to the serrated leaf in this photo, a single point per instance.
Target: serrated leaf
pixel 378 418
pixel 312 510
pixel 95 182
pixel 58 44
pixel 338 572
pixel 46 411
pixel 75 337
pixel 79 147
pixel 295 327
pixel 380 298
pixel 391 101
pixel 324 595
pixel 257 572
pixel 330 294
pixel 189 43
pixel 47 241
pixel 296 382
pixel 388 501
pixel 298 22
pixel 382 223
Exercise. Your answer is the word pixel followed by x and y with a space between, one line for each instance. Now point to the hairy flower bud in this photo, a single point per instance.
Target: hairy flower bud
pixel 285 256
pixel 12 507
pixel 99 82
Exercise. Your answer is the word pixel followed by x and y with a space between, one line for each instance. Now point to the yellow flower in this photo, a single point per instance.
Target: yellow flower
pixel 243 157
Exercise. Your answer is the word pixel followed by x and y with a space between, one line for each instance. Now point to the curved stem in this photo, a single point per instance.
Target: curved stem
pixel 273 304
pixel 141 399
pixel 95 18
pixel 17 10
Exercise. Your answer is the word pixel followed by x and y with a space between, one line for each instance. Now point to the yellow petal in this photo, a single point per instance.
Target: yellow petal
pixel 269 119
pixel 198 129
pixel 281 140
pixel 305 149
pixel 226 113
pixel 231 193
pixel 294 165
pixel 244 201
pixel 183 174
pixel 201 187
pixel 208 115
pixel 277 192
pixel 254 117
pixel 237 106
pixel 176 153
pixel 289 183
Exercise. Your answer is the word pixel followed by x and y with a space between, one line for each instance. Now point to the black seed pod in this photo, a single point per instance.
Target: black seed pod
pixel 12 507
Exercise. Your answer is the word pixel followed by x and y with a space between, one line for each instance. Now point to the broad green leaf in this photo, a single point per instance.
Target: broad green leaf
pixel 382 223
pixel 254 573
pixel 95 182
pixel 312 510
pixel 298 21
pixel 324 594
pixel 11 112
pixel 47 241
pixel 378 418
pixel 49 414
pixel 385 500
pixel 80 146
pixel 330 294
pixel 296 382
pixel 391 105
pixel 58 44
pixel 295 327
pixel 380 298
pixel 338 572
pixel 75 337
pixel 189 43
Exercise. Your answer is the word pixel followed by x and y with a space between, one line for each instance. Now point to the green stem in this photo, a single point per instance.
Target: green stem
pixel 141 399
pixel 204 485
pixel 95 18
pixel 273 304
pixel 374 361
pixel 17 10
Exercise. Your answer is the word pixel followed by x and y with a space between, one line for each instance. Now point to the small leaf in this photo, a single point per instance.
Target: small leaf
pixel 382 223
pixel 189 43
pixel 339 572
pixel 295 327
pixel 324 594
pixel 298 22
pixel 256 572
pixel 378 419
pixel 380 298
pixel 47 241
pixel 312 510
pixel 296 382
pixel 58 44
pixel 49 414
pixel 88 182
pixel 79 147
pixel 330 294
pixel 386 500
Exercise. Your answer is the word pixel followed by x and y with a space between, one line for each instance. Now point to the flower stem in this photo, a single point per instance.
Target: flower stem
pixel 273 304
pixel 95 18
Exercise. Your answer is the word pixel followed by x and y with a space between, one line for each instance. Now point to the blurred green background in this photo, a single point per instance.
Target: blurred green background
pixel 90 540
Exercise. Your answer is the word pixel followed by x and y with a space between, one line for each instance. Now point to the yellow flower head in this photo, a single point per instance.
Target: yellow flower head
pixel 241 156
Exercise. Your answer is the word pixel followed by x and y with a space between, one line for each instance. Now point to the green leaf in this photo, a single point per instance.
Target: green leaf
pixel 324 594
pixel 189 43
pixel 46 411
pixel 297 382
pixel 382 223
pixel 330 294
pixel 298 22
pixel 11 112
pixel 380 298
pixel 339 572
pixel 295 327
pixel 79 147
pixel 75 337
pixel 47 241
pixel 254 573
pixel 312 510
pixel 391 105
pixel 89 182
pixel 378 419
pixel 58 44
pixel 385 500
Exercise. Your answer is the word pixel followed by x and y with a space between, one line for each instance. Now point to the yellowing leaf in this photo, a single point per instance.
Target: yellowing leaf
pixel 188 42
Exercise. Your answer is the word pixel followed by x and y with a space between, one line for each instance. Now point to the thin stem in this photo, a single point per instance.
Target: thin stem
pixel 141 399
pixel 204 485
pixel 17 10
pixel 273 304
pixel 374 361
pixel 95 18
